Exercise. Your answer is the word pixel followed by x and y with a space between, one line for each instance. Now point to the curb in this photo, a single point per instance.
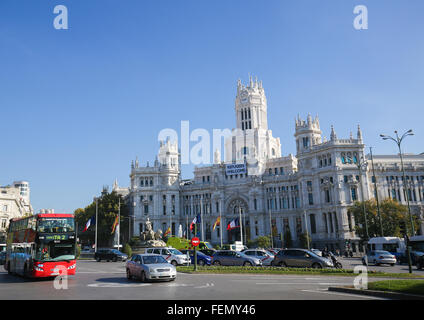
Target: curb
pixel 375 293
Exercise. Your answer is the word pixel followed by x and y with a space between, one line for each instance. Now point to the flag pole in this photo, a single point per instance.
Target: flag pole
pixel 95 239
pixel 119 219
pixel 201 217
pixel 220 223
pixel 241 226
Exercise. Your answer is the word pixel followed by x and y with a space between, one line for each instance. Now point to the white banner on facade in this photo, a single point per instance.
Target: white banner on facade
pixel 237 168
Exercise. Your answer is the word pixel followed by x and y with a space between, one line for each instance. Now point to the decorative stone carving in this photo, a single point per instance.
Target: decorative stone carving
pixel 149 238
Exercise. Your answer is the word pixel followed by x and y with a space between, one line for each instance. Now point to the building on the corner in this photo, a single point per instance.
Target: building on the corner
pixel 310 191
pixel 14 203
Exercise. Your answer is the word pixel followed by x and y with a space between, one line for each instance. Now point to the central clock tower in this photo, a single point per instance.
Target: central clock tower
pixel 251 139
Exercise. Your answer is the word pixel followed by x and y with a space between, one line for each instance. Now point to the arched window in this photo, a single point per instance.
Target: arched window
pixel 343 157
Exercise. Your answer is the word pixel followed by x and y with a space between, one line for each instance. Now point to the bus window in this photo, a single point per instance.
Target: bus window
pixel 391 247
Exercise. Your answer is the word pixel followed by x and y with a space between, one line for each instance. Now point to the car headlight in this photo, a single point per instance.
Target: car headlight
pixel 151 270
pixel 72 267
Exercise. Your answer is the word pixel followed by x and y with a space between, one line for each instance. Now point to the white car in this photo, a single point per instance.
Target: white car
pixel 150 267
pixel 378 257
pixel 172 255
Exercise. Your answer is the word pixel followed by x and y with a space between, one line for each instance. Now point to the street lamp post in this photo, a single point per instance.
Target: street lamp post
pixel 362 166
pixel 398 141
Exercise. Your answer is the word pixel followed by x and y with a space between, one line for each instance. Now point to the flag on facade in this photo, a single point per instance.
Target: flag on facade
pixel 115 224
pixel 195 220
pixel 168 231
pixel 217 223
pixel 233 224
pixel 90 222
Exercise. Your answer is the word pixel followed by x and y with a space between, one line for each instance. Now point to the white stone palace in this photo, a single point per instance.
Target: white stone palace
pixel 309 191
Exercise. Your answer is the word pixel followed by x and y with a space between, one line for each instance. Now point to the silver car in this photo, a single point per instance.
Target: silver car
pixel 265 256
pixel 150 267
pixel 234 258
pixel 378 257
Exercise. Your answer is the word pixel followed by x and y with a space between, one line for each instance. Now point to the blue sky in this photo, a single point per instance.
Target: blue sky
pixel 78 105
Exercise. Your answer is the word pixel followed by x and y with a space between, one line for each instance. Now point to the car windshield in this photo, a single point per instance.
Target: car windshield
pixel 269 253
pixel 208 245
pixel 154 260
pixel 56 225
pixel 51 251
pixel 175 251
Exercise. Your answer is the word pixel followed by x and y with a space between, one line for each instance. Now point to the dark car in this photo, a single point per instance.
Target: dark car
pixel 208 252
pixel 234 258
pixel 420 262
pixel 2 257
pixel 300 258
pixel 202 259
pixel 110 255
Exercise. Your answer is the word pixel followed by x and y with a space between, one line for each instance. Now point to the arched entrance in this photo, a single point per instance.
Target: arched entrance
pixel 235 208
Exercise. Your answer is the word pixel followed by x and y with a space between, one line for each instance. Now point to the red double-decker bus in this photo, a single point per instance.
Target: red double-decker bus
pixel 42 245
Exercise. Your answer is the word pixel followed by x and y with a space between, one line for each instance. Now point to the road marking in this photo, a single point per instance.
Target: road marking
pixel 205 286
pixel 117 285
pixel 343 294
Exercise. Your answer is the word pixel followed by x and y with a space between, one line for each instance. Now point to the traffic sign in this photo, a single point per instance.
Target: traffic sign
pixel 195 241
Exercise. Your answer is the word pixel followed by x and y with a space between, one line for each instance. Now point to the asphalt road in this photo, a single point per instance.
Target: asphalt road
pixel 107 280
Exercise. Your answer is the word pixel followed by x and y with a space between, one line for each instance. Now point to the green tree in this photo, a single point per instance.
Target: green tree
pixel 288 243
pixel 304 239
pixel 263 242
pixel 394 218
pixel 108 207
pixel 128 250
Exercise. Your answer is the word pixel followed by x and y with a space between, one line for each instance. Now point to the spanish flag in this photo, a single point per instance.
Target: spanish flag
pixel 217 223
pixel 115 224
pixel 168 231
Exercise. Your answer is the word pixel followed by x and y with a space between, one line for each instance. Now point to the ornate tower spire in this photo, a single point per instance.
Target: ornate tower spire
pixel 359 134
pixel 333 135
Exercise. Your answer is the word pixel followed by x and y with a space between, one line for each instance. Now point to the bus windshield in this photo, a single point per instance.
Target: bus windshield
pixel 50 251
pixel 56 225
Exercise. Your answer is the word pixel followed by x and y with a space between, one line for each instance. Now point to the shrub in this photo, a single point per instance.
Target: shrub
pixel 128 250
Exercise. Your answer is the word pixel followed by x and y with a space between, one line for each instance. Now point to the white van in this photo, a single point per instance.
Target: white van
pixel 394 245
pixel 172 255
